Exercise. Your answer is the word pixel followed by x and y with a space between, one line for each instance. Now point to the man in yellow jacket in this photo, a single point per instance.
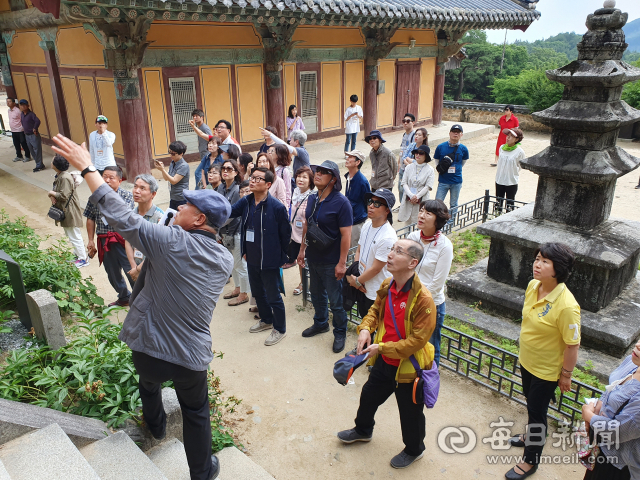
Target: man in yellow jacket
pixel 415 313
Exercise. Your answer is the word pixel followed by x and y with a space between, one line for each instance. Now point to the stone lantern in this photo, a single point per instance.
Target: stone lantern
pixel 576 185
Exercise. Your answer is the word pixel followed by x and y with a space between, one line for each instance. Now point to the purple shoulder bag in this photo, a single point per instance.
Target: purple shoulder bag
pixel 426 386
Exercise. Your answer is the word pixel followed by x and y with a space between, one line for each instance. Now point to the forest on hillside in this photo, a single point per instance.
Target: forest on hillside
pixel 515 73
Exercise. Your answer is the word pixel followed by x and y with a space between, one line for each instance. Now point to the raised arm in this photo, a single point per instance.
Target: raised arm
pixel 279 141
pixel 199 132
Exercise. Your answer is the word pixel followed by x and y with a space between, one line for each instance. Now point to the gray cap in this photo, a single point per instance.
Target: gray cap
pixel 211 203
pixel 333 167
pixel 383 193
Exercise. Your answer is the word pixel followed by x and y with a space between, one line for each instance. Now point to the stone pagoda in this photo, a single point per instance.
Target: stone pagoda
pixel 576 185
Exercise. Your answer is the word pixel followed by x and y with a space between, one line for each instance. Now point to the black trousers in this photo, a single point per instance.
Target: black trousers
pixel 508 192
pixel 603 470
pixel 379 387
pixel 191 389
pixel 364 305
pixel 20 143
pixel 539 393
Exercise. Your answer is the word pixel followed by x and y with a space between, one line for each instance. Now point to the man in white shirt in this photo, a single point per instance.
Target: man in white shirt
pixel 376 239
pixel 222 130
pixel 101 145
pixel 17 132
pixel 352 117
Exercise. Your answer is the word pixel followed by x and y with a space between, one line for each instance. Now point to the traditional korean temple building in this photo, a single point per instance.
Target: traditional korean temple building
pixel 146 64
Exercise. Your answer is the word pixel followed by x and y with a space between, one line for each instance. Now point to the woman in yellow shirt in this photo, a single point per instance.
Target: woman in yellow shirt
pixel 549 342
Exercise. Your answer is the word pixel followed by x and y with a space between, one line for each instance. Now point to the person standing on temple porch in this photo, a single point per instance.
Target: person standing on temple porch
pixel 30 123
pixel 352 116
pixel 407 145
pixel 101 145
pixel 384 166
pixel 198 119
pixel 17 132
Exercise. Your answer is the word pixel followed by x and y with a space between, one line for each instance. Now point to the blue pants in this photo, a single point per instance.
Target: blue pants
pixel 198 174
pixel 264 288
pixel 325 287
pixel 351 138
pixel 454 191
pixel 114 261
pixel 436 336
pixel 400 189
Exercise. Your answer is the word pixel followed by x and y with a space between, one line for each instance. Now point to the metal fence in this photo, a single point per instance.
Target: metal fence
pixel 476 359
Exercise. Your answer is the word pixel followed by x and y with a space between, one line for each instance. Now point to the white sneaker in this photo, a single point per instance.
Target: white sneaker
pixel 260 327
pixel 81 263
pixel 274 337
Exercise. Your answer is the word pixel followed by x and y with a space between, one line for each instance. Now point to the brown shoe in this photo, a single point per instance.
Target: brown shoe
pixel 235 302
pixel 119 303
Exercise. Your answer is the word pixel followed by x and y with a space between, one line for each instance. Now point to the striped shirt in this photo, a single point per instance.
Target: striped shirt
pixel 626 447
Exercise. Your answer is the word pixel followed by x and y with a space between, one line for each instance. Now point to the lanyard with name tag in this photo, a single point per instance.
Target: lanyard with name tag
pixel 104 220
pixel 138 254
pixel 250 235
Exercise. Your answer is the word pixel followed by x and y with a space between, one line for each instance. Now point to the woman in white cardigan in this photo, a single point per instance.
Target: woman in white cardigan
pixel 417 182
pixel 434 267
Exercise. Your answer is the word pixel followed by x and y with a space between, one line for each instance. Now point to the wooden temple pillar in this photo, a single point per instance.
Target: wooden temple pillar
pixel 48 44
pixel 278 45
pixel 5 65
pixel 448 46
pixel 125 43
pixel 378 47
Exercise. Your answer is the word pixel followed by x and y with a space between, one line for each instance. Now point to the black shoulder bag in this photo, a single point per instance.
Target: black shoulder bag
pixel 446 162
pixel 315 236
pixel 57 214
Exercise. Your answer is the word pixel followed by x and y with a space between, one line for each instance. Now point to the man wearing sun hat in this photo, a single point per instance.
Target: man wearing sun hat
pixel 328 213
pixel 101 145
pixel 356 187
pixel 168 324
pixel 384 166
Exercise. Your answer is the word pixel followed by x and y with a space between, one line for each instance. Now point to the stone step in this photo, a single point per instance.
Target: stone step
pixel 170 459
pixel 45 454
pixel 4 475
pixel 118 458
pixel 235 465
pixel 17 419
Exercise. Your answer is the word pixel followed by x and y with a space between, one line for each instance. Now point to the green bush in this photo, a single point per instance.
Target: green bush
pixel 531 88
pixel 631 92
pixel 50 268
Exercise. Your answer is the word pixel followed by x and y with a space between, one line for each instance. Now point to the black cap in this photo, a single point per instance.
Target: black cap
pixel 456 126
pixel 383 193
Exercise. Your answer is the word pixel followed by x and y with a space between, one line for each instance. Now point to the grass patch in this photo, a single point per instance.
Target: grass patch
pixel 468 248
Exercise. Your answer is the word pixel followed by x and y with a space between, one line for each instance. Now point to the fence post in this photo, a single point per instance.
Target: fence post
pixel 485 207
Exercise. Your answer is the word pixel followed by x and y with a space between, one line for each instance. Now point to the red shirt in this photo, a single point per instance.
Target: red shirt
pixel 504 123
pixel 399 301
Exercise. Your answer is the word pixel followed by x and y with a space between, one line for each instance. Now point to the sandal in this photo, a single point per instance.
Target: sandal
pixel 493 164
pixel 257 317
pixel 297 290
pixel 236 302
pixel 253 309
pixel 231 295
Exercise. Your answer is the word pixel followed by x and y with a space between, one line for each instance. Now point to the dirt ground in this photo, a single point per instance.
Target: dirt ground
pixel 297 405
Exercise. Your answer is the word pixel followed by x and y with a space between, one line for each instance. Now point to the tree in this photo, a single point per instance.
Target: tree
pixel 631 92
pixel 531 88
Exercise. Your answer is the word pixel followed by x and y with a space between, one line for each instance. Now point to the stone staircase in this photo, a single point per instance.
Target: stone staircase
pixel 49 454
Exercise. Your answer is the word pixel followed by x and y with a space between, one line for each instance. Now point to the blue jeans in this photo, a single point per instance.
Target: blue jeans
pixel 436 336
pixel 199 168
pixel 264 288
pixel 351 138
pixel 454 191
pixel 400 189
pixel 325 287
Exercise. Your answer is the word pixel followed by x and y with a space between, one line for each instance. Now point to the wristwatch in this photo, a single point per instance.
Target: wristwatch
pixel 90 168
pixel 358 284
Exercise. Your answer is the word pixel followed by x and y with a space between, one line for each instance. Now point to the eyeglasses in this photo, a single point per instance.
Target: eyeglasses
pixel 221 127
pixel 399 251
pixel 376 203
pixel 257 179
pixel 407 121
pixel 322 171
pixel 172 153
pixel 228 169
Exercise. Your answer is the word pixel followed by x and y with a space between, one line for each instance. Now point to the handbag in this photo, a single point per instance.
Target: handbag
pixel 588 448
pixel 57 214
pixel 426 385
pixel 315 236
pixel 445 163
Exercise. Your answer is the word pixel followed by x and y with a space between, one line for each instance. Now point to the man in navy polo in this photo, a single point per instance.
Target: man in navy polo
pixel 451 181
pixel 331 212
pixel 357 187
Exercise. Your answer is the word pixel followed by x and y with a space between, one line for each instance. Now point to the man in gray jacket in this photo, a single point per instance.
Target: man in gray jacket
pixel 384 166
pixel 167 327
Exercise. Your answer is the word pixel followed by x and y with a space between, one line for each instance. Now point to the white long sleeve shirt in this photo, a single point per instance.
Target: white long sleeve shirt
pixel 434 267
pixel 101 149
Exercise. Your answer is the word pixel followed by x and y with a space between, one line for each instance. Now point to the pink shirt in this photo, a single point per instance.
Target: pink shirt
pixel 277 190
pixel 15 120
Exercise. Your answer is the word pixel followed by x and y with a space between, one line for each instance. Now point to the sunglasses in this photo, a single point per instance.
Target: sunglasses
pixel 322 171
pixel 376 203
pixel 407 121
pixel 228 169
